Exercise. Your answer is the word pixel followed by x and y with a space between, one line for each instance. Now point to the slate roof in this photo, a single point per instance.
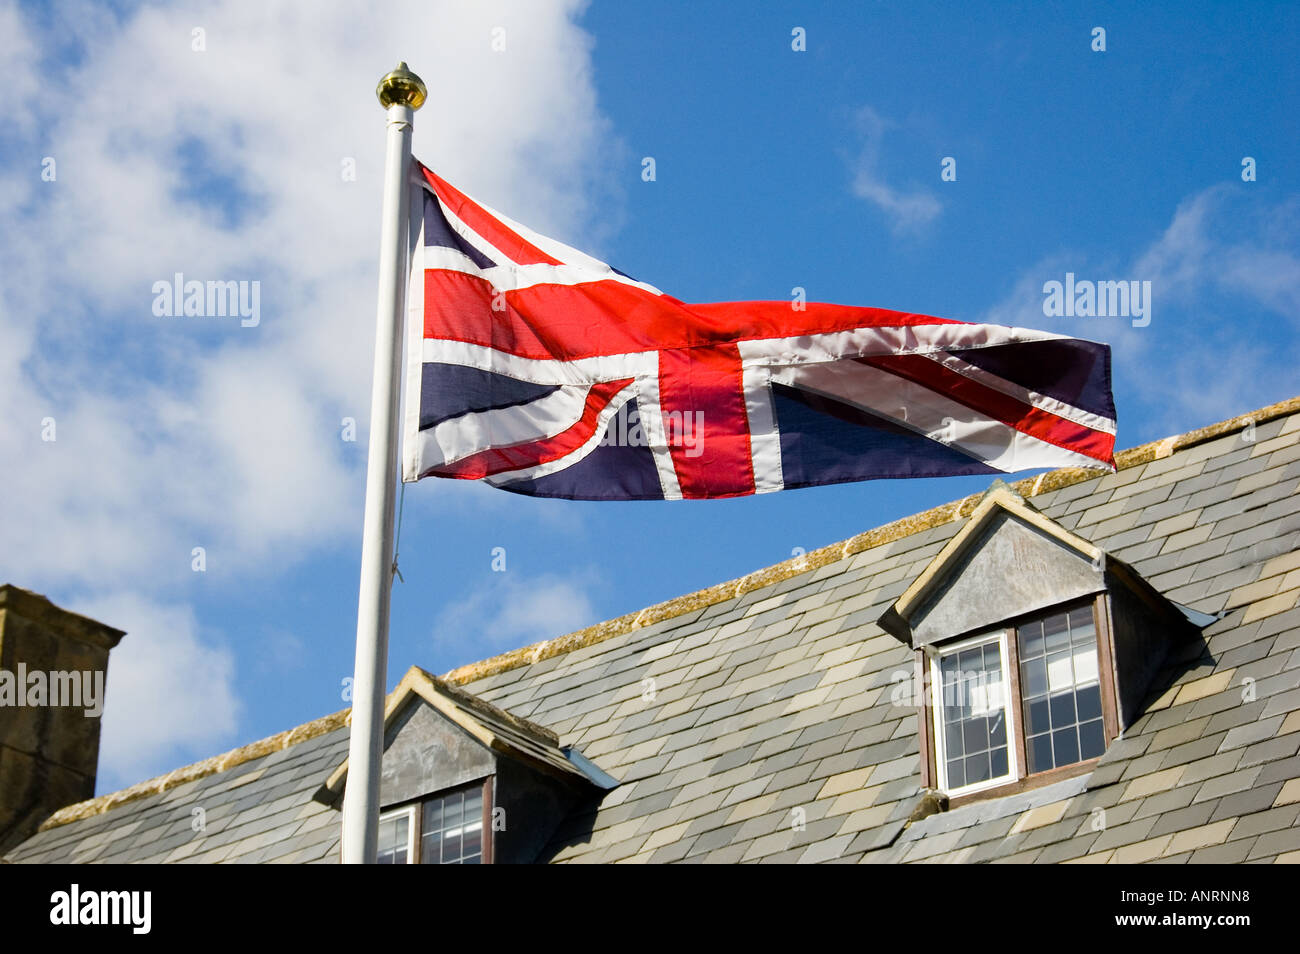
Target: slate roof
pixel 771 704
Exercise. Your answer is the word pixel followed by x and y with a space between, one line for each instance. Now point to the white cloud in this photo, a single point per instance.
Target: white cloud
pixel 1225 297
pixel 226 164
pixel 227 435
pixel 170 693
pixel 908 210
pixel 512 610
pixel 1219 241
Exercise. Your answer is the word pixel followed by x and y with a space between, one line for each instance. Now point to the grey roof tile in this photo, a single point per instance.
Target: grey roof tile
pixel 1231 853
pixel 1263 822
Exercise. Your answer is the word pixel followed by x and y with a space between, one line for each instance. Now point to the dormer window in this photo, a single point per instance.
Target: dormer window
pixel 991 728
pixel 465 782
pixel 451 829
pixel 1035 648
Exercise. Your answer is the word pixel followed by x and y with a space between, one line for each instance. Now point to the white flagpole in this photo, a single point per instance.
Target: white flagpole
pixel 401 92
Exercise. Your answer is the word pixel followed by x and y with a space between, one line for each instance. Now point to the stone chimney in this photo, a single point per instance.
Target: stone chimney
pixel 53 669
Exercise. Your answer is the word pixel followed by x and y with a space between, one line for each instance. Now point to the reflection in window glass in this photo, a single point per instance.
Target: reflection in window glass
pixel 452 831
pixel 394 839
pixel 974 715
pixel 1060 690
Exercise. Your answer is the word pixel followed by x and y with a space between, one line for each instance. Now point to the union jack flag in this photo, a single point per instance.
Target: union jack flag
pixel 544 371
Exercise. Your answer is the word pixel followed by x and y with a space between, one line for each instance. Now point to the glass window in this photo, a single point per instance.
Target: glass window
pixel 450 826
pixel 452 831
pixel 1060 690
pixel 973 737
pixel 395 838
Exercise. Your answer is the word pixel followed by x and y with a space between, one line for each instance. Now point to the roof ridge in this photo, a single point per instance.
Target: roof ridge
pixel 832 553
pixel 678 606
pixel 188 773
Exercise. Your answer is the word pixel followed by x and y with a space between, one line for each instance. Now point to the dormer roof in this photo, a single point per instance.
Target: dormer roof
pixel 493 728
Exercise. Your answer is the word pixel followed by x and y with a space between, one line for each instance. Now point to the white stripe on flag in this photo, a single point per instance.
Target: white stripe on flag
pixel 1041 401
pixel 468 434
pixel 883 340
pixel 550 467
pixel 580 372
pixel 927 412
pixel 764 438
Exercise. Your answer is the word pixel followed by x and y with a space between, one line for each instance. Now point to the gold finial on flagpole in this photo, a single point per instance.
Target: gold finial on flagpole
pixel 401 87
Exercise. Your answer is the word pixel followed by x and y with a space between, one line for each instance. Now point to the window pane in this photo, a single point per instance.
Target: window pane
pixel 393 834
pixel 473 837
pixel 1065 746
pixel 1092 740
pixel 1036 717
pixel 976 734
pixel 1056 632
pixel 999 760
pixel 1060 671
pixel 1089 703
pixel 1060 691
pixel 451 844
pixel 1040 752
pixel 997 732
pixel 431 849
pixel 1085 663
pixel 1033 677
pixel 973 715
pixel 1063 710
pixel 1031 640
pixel 1082 628
pixel 956 773
pixel 451 810
pixel 952 738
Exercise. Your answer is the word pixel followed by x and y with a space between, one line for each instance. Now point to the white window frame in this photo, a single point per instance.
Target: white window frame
pixel 1000 636
pixel 409 812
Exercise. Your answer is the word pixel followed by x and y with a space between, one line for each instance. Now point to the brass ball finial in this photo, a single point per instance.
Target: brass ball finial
pixel 401 87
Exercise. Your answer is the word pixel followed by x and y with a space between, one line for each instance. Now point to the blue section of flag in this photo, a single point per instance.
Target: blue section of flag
pixel 437 231
pixel 451 390
pixel 1071 370
pixel 827 442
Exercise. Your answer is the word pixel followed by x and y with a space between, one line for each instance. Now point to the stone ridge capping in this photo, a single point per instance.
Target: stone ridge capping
pixel 190 773
pixel 515 659
pixel 935 517
pixel 487 710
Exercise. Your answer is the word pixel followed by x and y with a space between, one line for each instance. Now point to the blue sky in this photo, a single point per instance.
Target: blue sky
pixel 220 154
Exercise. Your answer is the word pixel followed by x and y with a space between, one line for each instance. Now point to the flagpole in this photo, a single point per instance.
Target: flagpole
pixel 401 93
